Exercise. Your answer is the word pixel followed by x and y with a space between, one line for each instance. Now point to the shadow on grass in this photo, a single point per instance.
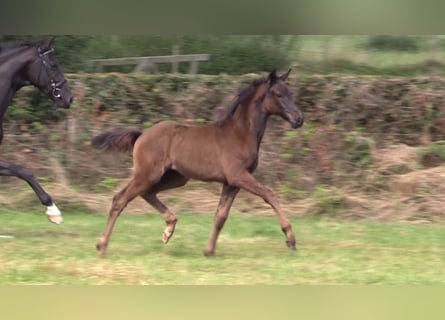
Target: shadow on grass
pixel 45 234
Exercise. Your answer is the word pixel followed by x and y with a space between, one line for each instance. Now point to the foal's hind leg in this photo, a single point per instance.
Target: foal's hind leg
pixel 170 217
pixel 228 194
pixel 171 179
pixel 120 201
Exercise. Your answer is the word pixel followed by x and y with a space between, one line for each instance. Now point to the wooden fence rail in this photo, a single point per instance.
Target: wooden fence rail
pixel 148 64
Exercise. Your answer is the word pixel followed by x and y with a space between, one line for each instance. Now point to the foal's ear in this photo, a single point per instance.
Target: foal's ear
pixel 283 77
pixel 47 43
pixel 272 77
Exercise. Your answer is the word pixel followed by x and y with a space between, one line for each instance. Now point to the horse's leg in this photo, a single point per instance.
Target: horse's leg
pixel 246 181
pixel 1 126
pixel 134 188
pixel 170 217
pixel 10 169
pixel 228 194
pixel 171 179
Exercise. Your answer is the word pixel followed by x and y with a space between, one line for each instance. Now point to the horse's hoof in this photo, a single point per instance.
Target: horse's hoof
pixel 54 215
pixel 166 237
pixel 291 245
pixel 101 250
pixel 209 253
pixel 55 219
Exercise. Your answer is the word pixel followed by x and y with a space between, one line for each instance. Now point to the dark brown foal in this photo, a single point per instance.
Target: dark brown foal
pixel 169 154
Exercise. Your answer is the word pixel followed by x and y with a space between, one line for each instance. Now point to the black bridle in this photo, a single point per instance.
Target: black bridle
pixel 55 86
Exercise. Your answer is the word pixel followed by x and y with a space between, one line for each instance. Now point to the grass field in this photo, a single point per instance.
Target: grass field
pixel 326 54
pixel 251 250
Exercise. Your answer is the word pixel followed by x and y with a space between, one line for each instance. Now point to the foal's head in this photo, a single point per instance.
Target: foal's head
pixel 278 100
pixel 45 73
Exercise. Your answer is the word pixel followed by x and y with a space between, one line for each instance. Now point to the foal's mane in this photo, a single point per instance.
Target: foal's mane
pixel 245 94
pixel 6 49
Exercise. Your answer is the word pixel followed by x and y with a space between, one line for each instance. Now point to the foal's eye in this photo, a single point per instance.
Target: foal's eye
pixel 278 94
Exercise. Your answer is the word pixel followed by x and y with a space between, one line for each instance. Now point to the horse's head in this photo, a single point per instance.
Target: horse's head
pixel 278 100
pixel 45 73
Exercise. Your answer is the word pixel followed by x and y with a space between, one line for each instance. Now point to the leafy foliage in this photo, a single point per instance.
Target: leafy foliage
pixel 396 43
pixel 70 50
pixel 229 54
pixel 433 154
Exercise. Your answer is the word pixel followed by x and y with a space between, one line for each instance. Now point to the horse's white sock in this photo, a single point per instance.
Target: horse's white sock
pixel 54 215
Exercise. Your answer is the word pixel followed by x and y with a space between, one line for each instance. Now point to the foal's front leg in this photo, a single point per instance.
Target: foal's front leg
pixel 228 194
pixel 246 181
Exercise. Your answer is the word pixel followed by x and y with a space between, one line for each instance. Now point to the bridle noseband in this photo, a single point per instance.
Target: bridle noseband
pixel 55 86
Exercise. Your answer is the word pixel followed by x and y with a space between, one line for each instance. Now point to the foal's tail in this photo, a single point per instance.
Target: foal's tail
pixel 119 140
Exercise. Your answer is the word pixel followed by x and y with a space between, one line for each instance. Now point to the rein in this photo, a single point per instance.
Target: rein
pixel 55 86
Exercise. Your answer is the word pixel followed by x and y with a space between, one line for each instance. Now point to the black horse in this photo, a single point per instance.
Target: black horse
pixel 32 63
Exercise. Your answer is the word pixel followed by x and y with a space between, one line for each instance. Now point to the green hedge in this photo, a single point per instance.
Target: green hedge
pixel 345 117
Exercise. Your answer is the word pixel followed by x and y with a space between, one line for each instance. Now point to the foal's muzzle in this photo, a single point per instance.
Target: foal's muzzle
pixel 298 123
pixel 296 119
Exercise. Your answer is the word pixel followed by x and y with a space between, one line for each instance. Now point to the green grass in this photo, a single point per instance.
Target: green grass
pixel 348 54
pixel 250 250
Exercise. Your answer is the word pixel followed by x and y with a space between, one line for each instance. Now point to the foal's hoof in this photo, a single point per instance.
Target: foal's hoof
pixel 291 245
pixel 209 253
pixel 100 249
pixel 166 237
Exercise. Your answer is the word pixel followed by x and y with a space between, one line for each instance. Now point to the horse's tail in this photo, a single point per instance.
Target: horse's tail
pixel 119 140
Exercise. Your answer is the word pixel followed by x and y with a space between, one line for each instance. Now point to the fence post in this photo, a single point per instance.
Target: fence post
pixel 175 52
pixel 193 67
pixel 433 47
